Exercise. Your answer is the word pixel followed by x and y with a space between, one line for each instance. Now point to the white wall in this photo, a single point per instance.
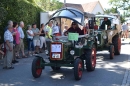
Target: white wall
pixel 97 9
pixel 44 17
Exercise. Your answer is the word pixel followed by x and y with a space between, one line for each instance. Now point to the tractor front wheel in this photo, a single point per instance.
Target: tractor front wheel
pixel 78 69
pixel 36 67
pixel 90 56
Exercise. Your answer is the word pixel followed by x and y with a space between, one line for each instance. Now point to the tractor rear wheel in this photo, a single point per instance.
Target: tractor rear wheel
pixel 78 69
pixel 36 67
pixel 90 56
pixel 117 44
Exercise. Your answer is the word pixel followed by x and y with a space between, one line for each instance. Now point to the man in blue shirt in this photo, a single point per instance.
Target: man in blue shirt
pixel 20 30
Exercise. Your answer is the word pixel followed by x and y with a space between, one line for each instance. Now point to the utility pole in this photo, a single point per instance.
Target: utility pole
pixel 64 3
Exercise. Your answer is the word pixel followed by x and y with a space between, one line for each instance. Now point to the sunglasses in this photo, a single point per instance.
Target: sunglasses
pixel 73 24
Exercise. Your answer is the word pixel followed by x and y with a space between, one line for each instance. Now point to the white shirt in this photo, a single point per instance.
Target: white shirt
pixel 64 32
pixel 125 27
pixel 31 32
pixel 8 36
pixel 55 29
pixel 20 30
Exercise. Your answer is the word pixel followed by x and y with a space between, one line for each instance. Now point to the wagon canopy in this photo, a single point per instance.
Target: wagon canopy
pixel 108 16
pixel 69 13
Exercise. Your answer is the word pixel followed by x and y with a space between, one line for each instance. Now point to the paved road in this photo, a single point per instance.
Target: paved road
pixel 107 73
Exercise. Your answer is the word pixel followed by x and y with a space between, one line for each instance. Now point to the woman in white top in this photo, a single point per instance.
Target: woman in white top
pixel 30 35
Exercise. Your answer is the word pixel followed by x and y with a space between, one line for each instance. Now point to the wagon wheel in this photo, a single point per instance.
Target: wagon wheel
pixel 117 44
pixel 78 69
pixel 90 56
pixel 111 51
pixel 55 68
pixel 36 67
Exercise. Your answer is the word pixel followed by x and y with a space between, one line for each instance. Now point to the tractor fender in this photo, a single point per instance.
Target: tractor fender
pixel 41 58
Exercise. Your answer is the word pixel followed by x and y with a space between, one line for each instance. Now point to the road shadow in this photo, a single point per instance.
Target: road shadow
pixel 107 73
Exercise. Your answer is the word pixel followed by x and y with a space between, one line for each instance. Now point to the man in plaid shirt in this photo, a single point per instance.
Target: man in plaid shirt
pixel 8 38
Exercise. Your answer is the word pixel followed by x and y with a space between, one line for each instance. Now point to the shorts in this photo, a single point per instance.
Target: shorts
pixel 36 43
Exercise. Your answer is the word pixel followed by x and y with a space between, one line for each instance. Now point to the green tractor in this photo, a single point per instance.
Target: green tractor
pixel 113 35
pixel 65 51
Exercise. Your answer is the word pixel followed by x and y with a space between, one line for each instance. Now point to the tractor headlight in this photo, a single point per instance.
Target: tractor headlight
pixel 46 52
pixel 72 52
pixel 104 37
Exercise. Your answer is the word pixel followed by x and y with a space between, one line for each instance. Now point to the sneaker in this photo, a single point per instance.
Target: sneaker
pixel 16 61
pixel 13 62
pixel 36 52
pixel 4 67
pixel 10 67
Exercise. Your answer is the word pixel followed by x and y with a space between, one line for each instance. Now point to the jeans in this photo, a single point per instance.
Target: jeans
pixel 30 44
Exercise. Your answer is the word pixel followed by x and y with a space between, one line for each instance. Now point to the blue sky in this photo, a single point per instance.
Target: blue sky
pixel 103 2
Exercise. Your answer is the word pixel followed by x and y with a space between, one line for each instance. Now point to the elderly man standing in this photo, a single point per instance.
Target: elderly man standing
pixel 20 30
pixel 8 38
pixel 5 29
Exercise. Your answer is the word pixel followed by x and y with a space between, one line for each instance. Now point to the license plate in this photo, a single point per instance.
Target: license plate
pixel 55 55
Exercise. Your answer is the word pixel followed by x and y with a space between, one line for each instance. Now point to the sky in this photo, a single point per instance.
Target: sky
pixel 104 3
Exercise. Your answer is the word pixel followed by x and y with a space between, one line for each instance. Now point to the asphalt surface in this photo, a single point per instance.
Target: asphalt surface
pixel 107 73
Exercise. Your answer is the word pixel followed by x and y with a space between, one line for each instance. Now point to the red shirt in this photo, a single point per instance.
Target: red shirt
pixel 16 36
pixel 76 30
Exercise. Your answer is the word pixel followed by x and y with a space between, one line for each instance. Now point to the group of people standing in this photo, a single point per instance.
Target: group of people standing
pixel 36 39
pixel 14 42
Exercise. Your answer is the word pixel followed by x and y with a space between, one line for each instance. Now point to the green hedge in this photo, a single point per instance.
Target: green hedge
pixel 19 10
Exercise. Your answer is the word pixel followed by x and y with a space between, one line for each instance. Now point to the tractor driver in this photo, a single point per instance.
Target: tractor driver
pixel 74 29
pixel 109 32
pixel 106 22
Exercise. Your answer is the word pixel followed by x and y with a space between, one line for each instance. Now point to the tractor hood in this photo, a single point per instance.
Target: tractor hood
pixel 69 13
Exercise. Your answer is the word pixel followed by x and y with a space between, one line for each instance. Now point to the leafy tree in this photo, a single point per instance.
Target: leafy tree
pixel 49 5
pixel 18 10
pixel 98 13
pixel 122 19
pixel 111 10
pixel 121 4
pixel 3 12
